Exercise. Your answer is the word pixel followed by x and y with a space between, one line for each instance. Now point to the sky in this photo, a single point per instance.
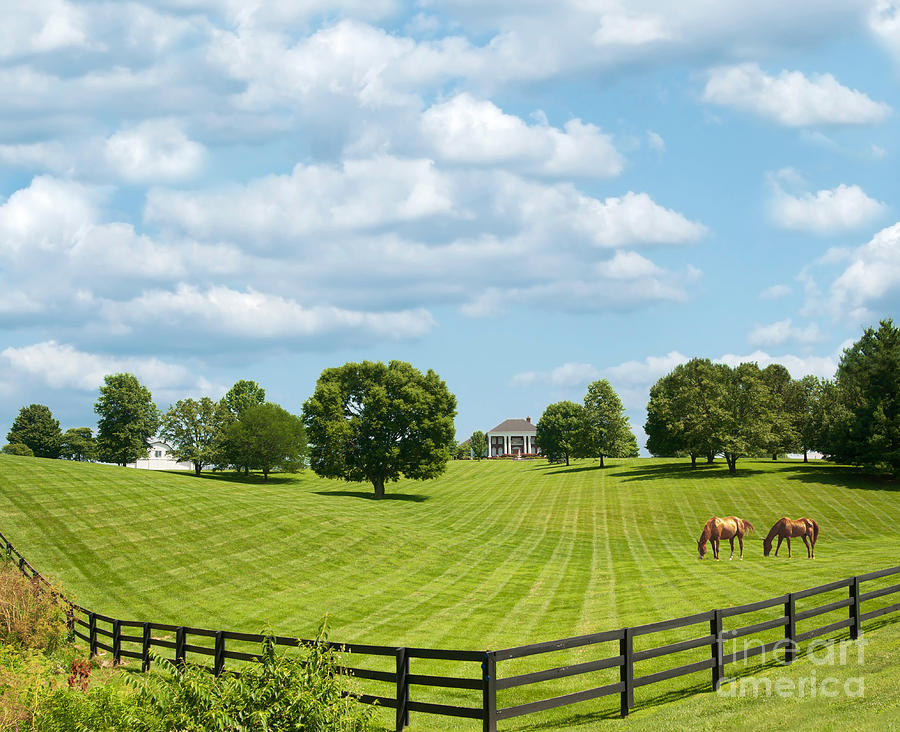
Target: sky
pixel 520 195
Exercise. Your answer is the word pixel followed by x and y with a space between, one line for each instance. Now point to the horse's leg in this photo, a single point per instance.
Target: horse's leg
pixel 788 539
pixel 716 552
pixel 732 549
pixel 741 542
pixel 780 539
pixel 808 550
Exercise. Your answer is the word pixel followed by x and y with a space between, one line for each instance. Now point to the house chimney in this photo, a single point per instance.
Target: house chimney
pixel 528 419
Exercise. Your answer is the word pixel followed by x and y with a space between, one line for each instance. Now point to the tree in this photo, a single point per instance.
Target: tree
pixel 128 419
pixel 374 422
pixel 478 444
pixel 267 437
pixel 783 396
pixel 561 431
pixel 18 449
pixel 194 429
pixel 808 393
pixel 679 414
pixel 243 395
pixel 35 426
pixel 608 431
pixel 78 443
pixel 868 382
pixel 741 414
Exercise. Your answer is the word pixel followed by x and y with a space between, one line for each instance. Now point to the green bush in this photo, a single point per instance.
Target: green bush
pixel 18 449
pixel 30 615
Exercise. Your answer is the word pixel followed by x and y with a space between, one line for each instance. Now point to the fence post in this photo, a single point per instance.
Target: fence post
pixel 92 632
pixel 855 610
pixel 626 671
pixel 790 629
pixel 117 641
pixel 402 668
pixel 219 658
pixel 22 564
pixel 179 644
pixel 715 630
pixel 145 648
pixel 489 691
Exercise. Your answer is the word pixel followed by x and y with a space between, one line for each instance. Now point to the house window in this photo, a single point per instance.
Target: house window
pixel 517 445
pixel 498 446
pixel 158 454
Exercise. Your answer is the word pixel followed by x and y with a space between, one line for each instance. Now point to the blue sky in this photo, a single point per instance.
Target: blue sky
pixel 523 196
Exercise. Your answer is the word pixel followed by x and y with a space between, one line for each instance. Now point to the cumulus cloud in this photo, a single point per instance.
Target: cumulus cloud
pixel 154 150
pixel 798 366
pixel 468 130
pixel 884 22
pixel 566 375
pixel 783 331
pixel 62 366
pixel 870 282
pixel 830 211
pixel 42 26
pixel 791 98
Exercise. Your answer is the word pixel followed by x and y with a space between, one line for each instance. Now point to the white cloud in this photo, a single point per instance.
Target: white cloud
pixel 154 150
pixel 775 292
pixel 798 366
pixel 870 283
pixel 41 26
pixel 792 98
pixel 61 366
pixel 468 130
pixel 832 211
pixel 884 22
pixel 565 376
pixel 630 30
pixel 655 141
pixel 783 331
pixel 257 316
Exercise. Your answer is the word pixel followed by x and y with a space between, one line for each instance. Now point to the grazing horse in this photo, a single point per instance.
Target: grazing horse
pixel 785 528
pixel 726 528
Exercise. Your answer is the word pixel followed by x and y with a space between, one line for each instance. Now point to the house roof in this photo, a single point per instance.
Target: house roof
pixel 521 426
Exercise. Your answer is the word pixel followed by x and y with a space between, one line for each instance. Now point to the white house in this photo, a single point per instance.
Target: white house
pixel 513 437
pixel 159 457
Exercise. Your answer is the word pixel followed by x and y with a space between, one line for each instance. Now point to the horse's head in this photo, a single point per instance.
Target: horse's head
pixel 767 547
pixel 701 549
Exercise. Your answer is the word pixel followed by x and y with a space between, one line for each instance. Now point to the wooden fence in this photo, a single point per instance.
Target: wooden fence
pixel 129 639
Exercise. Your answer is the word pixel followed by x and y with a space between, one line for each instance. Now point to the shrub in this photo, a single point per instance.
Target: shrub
pixel 30 616
pixel 18 449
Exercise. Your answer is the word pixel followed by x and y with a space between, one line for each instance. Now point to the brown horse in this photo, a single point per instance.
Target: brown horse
pixel 786 528
pixel 726 528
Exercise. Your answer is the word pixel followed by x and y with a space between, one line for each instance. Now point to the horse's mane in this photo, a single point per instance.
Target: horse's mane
pixel 707 531
pixel 773 531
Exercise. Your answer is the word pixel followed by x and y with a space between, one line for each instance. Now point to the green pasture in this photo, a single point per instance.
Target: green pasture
pixel 491 555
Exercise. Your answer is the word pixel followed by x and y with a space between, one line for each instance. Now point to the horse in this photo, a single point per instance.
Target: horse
pixel 786 528
pixel 726 528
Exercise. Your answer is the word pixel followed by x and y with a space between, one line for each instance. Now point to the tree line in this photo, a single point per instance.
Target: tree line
pixel 703 409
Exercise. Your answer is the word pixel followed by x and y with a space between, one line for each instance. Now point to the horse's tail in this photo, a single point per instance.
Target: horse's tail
pixel 815 537
pixel 748 527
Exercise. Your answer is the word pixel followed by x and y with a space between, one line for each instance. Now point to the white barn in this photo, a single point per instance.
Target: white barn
pixel 159 457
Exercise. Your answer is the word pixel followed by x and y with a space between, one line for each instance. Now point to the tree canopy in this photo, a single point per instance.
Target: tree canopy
pixel 78 443
pixel 194 429
pixel 561 431
pixel 128 418
pixel 35 427
pixel 373 422
pixel 478 444
pixel 607 428
pixel 267 437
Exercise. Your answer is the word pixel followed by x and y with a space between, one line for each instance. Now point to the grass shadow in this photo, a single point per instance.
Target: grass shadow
pixel 233 477
pixel 685 471
pixel 370 496
pixel 846 476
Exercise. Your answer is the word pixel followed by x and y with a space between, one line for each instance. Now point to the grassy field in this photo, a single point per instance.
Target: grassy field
pixel 492 555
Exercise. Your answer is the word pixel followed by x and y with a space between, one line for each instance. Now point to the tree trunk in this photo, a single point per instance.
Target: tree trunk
pixel 567 459
pixel 601 459
pixel 805 459
pixel 731 459
pixel 379 487
pixel 710 458
pixel 247 470
pixel 774 456
pixel 197 467
pixel 693 459
pixel 265 473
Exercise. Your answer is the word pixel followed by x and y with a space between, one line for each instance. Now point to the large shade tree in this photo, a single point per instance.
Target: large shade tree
pixel 374 422
pixel 128 418
pixel 607 429
pixel 784 396
pixel 194 429
pixel 867 432
pixel 78 443
pixel 742 412
pixel 561 431
pixel 35 426
pixel 478 444
pixel 267 437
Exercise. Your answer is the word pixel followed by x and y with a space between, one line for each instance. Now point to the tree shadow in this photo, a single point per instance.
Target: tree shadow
pixel 685 471
pixel 370 496
pixel 232 477
pixel 846 476
pixel 574 468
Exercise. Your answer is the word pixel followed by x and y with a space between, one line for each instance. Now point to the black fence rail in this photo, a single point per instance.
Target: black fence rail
pixel 212 649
